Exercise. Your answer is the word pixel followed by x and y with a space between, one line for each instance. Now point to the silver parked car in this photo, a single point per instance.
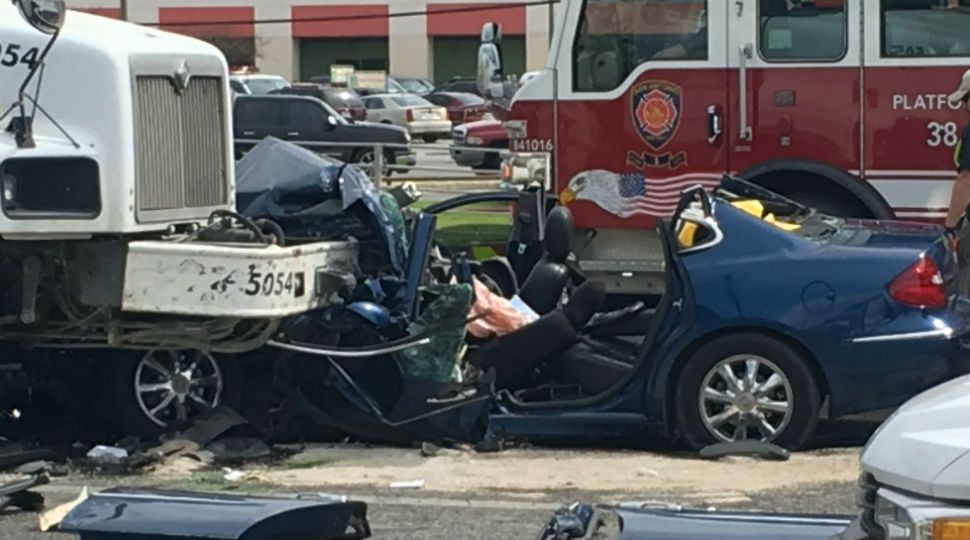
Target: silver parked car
pixel 420 117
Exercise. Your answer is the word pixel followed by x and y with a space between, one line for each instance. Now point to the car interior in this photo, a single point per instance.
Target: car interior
pixel 574 351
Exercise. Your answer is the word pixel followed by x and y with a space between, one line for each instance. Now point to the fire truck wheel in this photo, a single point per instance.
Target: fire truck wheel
pixel 831 204
pixel 164 390
pixel 746 387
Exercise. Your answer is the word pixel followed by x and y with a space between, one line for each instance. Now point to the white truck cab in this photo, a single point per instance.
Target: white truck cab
pixel 916 469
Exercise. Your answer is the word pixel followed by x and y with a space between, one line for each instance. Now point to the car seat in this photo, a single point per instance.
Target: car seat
pixel 544 287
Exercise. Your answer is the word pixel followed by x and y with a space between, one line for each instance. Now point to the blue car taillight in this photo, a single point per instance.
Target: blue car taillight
pixel 921 285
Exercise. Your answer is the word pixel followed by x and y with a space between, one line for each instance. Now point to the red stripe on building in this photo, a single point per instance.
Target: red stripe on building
pixel 169 17
pixel 114 13
pixel 372 22
pixel 469 23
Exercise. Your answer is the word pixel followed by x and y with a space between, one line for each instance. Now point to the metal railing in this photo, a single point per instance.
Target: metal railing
pixel 381 170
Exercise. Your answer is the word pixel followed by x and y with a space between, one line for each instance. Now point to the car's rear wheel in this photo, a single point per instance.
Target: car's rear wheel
pixel 747 387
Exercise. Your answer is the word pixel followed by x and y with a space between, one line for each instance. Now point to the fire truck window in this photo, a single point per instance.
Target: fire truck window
pixel 616 36
pixel 803 30
pixel 925 28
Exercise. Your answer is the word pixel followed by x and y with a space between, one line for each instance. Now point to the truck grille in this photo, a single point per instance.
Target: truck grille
pixel 180 144
pixel 866 501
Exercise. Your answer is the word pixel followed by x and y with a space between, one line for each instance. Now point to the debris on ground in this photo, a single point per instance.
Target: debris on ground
pixel 41 467
pixel 108 454
pixel 407 484
pixel 18 494
pixel 13 455
pixel 51 519
pixel 237 449
pixel 752 449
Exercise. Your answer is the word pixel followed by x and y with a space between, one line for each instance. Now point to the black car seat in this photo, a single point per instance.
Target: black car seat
pixel 545 285
pixel 516 355
pixel 598 365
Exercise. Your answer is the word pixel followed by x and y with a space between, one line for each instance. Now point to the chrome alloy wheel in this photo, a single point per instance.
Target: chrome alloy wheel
pixel 176 386
pixel 746 395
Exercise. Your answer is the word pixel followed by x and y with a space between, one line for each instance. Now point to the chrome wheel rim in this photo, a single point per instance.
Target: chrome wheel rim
pixel 746 397
pixel 172 387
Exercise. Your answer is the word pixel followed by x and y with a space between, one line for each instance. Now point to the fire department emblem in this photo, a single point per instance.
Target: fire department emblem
pixel 656 109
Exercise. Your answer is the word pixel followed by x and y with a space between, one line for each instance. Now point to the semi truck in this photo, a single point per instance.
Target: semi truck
pixel 122 261
pixel 838 104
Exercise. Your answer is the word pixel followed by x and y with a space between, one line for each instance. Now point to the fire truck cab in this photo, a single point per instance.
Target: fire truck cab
pixel 838 104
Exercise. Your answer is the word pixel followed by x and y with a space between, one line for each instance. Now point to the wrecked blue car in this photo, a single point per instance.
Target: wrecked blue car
pixel 771 313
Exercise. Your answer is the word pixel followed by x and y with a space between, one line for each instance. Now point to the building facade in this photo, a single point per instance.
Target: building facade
pixel 439 43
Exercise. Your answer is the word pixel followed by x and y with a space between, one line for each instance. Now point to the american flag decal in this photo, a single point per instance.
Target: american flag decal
pixel 633 194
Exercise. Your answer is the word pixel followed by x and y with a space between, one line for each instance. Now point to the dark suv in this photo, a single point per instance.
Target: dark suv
pixel 343 100
pixel 311 123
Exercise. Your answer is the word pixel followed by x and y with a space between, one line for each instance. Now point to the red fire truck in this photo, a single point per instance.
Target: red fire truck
pixel 840 104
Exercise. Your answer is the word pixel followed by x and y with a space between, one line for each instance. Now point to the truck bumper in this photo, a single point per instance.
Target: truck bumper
pixel 236 280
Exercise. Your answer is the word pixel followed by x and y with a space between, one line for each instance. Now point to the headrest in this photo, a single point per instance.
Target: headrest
pixel 559 233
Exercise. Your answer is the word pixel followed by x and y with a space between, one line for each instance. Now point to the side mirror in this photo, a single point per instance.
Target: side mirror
pixel 47 16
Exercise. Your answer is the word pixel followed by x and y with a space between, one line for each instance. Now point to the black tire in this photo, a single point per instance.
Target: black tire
pixel 430 139
pixel 363 153
pixel 806 398
pixel 128 416
pixel 830 203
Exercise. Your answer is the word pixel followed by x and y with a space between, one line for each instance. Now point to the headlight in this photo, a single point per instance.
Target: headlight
pixel 407 137
pixel 897 524
pixel 475 141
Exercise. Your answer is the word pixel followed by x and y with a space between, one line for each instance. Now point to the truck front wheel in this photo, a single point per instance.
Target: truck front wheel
pixel 163 390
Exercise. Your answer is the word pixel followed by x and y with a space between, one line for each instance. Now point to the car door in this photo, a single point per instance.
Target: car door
pixel 256 119
pixel 309 124
pixel 795 84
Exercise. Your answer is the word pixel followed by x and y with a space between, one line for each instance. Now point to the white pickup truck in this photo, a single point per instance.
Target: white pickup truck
pixel 915 485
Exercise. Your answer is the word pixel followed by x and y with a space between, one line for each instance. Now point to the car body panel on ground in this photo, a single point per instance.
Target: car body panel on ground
pixel 627 522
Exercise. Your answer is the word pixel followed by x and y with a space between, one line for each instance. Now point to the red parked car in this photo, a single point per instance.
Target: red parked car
pixel 462 108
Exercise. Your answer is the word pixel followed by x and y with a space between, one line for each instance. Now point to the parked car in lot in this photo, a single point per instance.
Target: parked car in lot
pixel 343 100
pixel 770 310
pixel 415 85
pixel 487 133
pixel 414 113
pixel 391 86
pixel 462 108
pixel 312 123
pixel 257 85
pixel 458 84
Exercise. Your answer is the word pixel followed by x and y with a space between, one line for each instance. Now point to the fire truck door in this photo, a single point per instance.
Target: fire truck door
pixel 912 63
pixel 641 107
pixel 794 89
